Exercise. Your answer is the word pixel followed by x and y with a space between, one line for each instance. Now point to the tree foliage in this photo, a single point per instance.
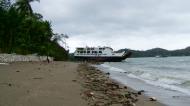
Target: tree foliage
pixel 24 7
pixel 24 32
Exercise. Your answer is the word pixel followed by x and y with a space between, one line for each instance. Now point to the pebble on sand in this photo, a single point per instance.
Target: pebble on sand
pixel 125 87
pixel 153 99
pixel 140 92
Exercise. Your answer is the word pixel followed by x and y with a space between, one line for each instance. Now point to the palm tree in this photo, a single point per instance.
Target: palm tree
pixel 61 38
pixel 5 4
pixel 24 7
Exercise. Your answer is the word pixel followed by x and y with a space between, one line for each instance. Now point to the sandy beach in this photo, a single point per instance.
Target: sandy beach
pixel 60 84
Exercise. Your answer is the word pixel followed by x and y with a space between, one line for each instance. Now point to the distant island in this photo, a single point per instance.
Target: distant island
pixel 158 52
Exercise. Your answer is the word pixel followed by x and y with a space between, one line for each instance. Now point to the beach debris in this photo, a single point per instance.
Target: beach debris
pixel 7 84
pixel 125 87
pixel 107 73
pixel 153 99
pixel 140 92
pixel 91 68
pixel 97 70
pixel 17 71
pixel 10 84
pixel 89 93
pixel 37 78
pixel 4 63
pixel 74 80
pixel 102 91
pixel 133 104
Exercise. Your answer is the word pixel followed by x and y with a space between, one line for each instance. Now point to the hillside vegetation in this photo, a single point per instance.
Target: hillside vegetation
pixel 24 32
pixel 159 52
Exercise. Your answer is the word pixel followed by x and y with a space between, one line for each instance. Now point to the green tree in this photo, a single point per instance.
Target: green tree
pixel 5 4
pixel 24 7
pixel 25 32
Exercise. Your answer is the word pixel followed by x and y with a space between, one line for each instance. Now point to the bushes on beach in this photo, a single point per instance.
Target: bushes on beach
pixel 24 32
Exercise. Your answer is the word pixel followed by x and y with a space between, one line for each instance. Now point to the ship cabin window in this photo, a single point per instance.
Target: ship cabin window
pixel 94 52
pixel 80 48
pixel 92 48
pixel 88 51
pixel 84 51
pixel 100 51
pixel 101 48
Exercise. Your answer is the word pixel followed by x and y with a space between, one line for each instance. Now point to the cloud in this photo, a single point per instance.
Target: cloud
pixel 136 24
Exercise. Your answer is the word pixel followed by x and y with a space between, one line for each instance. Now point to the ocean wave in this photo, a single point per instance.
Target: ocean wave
pixel 169 87
pixel 168 82
pixel 186 84
pixel 112 68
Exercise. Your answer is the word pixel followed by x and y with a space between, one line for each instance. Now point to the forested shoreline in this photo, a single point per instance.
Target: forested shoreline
pixel 158 52
pixel 23 31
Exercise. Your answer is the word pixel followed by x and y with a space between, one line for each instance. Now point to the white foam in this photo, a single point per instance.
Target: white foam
pixel 113 68
pixel 169 87
pixel 148 76
pixel 133 76
pixel 117 69
pixel 164 83
pixel 155 79
pixel 170 81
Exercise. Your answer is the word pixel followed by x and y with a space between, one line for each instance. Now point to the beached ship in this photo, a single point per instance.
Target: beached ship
pixel 102 54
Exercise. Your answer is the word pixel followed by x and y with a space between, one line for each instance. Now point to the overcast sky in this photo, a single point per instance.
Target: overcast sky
pixel 135 24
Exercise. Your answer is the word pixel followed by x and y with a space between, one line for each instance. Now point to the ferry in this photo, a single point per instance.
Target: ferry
pixel 100 54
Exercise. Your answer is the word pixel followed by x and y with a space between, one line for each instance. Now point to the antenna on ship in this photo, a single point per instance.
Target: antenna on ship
pixel 106 43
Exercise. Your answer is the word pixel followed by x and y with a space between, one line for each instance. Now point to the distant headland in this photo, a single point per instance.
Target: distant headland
pixel 158 52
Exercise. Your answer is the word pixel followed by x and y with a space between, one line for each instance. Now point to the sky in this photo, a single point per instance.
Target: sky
pixel 134 24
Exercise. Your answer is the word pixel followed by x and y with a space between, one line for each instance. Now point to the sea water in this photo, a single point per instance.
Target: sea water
pixel 167 79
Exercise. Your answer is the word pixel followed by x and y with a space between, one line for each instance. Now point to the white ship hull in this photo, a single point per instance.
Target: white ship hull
pixel 102 54
pixel 103 58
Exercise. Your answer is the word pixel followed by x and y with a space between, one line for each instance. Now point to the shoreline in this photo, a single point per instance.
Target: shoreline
pixel 136 98
pixel 63 83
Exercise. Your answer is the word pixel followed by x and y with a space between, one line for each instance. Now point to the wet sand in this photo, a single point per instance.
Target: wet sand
pixel 59 84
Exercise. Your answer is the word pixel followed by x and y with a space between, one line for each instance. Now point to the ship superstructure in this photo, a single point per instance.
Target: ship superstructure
pixel 99 54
